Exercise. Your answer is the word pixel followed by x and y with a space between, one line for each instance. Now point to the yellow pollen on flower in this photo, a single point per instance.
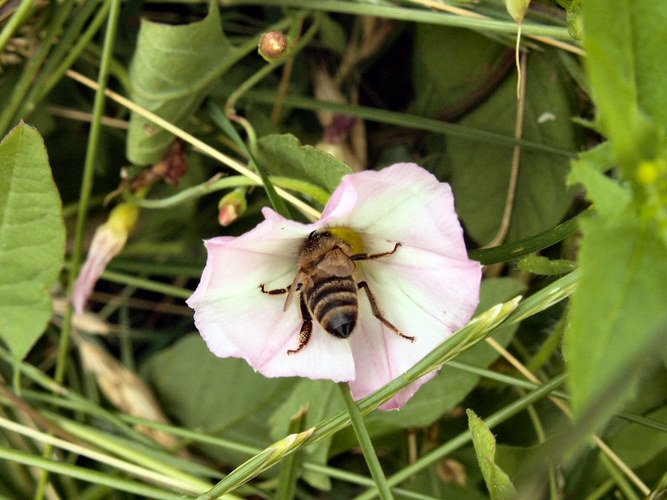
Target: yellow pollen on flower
pixel 349 235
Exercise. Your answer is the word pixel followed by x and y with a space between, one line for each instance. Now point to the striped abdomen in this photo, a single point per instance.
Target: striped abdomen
pixel 332 300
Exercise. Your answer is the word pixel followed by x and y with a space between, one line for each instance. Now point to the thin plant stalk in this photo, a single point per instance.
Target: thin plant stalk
pixel 201 145
pixel 15 22
pixel 86 189
pixel 365 443
pixel 22 87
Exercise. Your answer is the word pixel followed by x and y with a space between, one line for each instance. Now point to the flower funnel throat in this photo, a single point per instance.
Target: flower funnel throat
pixel 369 289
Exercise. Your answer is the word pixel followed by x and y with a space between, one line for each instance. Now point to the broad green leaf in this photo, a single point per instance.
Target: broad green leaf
pixel 498 483
pixel 32 238
pixel 637 444
pixel 222 397
pixel 625 41
pixel 451 385
pixel 480 173
pixel 617 310
pixel 451 66
pixel 610 197
pixel 171 72
pixel 322 398
pixel 285 156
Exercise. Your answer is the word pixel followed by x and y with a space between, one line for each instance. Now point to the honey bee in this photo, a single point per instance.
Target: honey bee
pixel 327 288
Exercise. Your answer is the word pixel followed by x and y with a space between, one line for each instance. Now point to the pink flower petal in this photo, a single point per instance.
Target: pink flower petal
pixel 236 319
pixel 402 202
pixel 427 288
pixel 425 295
pixel 107 243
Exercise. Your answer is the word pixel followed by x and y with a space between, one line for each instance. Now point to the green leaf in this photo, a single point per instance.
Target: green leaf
pixel 171 72
pixel 222 397
pixel 284 155
pixel 480 173
pixel 498 483
pixel 609 196
pixel 32 238
pixel 452 66
pixel 625 41
pixel 636 444
pixel 617 311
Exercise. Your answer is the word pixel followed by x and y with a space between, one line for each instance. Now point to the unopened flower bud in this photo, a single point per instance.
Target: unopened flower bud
pixel 231 207
pixel 517 9
pixel 274 45
pixel 336 150
pixel 108 242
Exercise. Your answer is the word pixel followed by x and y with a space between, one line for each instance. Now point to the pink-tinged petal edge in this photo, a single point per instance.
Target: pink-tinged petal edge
pixel 429 286
pixel 236 319
pixel 427 296
pixel 106 244
pixel 402 202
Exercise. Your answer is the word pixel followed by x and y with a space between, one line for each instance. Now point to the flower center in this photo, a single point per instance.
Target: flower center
pixel 349 235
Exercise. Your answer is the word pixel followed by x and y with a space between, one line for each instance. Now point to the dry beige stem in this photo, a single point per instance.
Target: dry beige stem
pixel 452 471
pixel 124 389
pixel 84 322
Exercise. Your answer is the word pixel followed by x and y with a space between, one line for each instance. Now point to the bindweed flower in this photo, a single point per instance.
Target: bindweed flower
pixel 408 262
pixel 108 241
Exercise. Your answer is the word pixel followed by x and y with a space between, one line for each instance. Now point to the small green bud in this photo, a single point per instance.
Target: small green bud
pixel 278 450
pixel 517 9
pixel 231 207
pixel 123 218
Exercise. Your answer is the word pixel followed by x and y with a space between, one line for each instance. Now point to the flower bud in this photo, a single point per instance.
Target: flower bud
pixel 274 45
pixel 108 242
pixel 231 207
pixel 517 9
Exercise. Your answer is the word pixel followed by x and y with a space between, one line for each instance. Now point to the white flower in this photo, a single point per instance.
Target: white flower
pixel 427 288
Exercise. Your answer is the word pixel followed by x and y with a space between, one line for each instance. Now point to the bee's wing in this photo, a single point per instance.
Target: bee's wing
pixel 296 286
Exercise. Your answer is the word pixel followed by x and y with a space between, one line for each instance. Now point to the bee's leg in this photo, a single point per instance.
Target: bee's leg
pixel 376 310
pixel 306 326
pixel 365 256
pixel 277 291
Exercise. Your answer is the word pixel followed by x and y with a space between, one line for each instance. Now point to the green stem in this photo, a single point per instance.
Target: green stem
pixel 270 68
pixel 223 122
pixel 213 185
pixel 33 65
pixel 365 442
pixel 87 474
pixel 528 245
pixel 87 181
pixel 465 437
pixel 405 120
pixel 413 15
pixel 291 466
pixel 17 19
pixel 55 69
pixel 86 189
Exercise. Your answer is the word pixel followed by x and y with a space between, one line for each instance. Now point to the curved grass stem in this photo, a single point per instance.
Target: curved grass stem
pixel 365 443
